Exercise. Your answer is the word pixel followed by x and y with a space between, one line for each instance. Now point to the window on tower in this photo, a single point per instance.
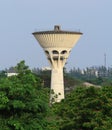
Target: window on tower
pixel 47 52
pixel 64 52
pixel 55 52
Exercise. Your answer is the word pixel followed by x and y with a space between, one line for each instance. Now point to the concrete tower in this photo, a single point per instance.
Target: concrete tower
pixel 57 45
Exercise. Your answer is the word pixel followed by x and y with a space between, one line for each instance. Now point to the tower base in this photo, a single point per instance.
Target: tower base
pixel 57 85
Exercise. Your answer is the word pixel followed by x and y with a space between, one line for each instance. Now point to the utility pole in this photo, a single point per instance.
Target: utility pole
pixel 105 59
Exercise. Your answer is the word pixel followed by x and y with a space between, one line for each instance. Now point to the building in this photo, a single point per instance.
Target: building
pixel 57 45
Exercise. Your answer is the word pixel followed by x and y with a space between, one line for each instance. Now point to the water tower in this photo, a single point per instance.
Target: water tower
pixel 57 45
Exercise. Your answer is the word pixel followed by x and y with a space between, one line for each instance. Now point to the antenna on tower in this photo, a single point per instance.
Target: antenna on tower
pixel 105 60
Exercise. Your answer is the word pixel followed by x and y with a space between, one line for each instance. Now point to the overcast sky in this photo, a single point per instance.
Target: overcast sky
pixel 20 18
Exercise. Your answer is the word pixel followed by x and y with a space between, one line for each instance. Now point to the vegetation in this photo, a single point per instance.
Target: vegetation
pixel 86 108
pixel 95 75
pixel 3 74
pixel 24 103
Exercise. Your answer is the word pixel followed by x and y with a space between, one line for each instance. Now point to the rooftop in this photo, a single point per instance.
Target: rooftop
pixel 57 30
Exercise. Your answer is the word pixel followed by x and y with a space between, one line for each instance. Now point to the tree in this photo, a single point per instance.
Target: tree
pixel 86 108
pixel 3 74
pixel 23 102
pixel 21 68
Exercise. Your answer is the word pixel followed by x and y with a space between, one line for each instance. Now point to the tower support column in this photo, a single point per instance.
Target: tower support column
pixel 57 85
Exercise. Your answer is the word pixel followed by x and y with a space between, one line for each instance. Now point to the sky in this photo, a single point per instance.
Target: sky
pixel 20 18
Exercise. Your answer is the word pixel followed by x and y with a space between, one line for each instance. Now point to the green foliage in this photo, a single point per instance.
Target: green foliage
pixel 86 109
pixel 70 83
pixel 21 67
pixel 45 76
pixel 95 75
pixel 23 102
pixel 2 74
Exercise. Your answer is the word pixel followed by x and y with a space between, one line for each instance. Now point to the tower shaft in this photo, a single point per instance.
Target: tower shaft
pixel 57 85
